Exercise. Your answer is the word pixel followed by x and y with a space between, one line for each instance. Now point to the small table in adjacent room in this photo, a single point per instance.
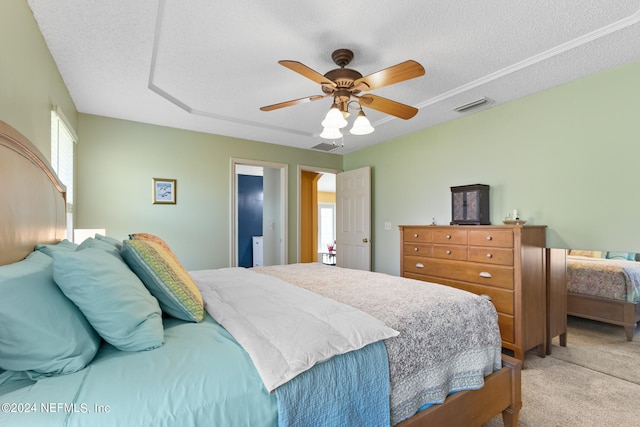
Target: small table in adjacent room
pixel 328 258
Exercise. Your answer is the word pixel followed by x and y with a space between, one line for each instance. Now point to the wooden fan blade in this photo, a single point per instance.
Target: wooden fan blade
pixel 292 102
pixel 388 106
pixel 307 72
pixel 394 74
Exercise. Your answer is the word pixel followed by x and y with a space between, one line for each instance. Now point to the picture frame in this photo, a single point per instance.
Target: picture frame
pixel 164 191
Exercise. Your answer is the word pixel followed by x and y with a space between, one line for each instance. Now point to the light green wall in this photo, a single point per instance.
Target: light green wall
pixel 117 160
pixel 566 158
pixel 29 79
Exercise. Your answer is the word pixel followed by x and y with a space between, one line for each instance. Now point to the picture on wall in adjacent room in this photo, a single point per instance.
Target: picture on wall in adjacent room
pixel 164 191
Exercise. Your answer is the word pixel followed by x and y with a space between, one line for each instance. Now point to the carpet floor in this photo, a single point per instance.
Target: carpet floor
pixel 593 381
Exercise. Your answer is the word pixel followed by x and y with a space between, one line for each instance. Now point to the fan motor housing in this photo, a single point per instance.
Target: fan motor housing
pixel 343 78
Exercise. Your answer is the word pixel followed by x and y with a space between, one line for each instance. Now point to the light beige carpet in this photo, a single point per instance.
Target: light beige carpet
pixel 601 347
pixel 591 382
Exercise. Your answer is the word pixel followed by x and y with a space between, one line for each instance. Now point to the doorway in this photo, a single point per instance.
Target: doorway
pixel 316 214
pixel 259 213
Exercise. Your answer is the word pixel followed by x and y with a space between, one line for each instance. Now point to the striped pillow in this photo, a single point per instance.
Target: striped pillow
pixel 165 277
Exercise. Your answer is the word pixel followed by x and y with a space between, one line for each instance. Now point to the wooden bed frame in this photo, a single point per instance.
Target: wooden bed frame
pixel 32 211
pixel 607 310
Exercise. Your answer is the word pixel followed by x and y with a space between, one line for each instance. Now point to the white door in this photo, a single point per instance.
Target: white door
pixel 353 219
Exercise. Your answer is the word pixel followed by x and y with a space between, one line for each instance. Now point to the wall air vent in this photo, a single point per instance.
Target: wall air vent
pixel 323 146
pixel 472 104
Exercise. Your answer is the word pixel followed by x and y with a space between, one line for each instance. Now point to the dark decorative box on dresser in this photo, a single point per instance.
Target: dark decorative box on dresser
pixel 470 205
pixel 505 262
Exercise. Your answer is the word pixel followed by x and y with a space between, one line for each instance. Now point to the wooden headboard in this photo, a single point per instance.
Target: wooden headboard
pixel 32 199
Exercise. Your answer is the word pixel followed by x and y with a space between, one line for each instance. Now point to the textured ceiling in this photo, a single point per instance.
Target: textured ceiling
pixel 209 66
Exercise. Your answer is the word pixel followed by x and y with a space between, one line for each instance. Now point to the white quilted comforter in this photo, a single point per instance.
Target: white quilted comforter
pixel 285 329
pixel 449 339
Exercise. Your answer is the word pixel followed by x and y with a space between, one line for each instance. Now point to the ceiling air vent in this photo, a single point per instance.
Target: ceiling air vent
pixel 323 146
pixel 470 105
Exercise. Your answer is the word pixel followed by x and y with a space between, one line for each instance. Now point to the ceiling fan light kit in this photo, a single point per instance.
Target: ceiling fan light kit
pixel 344 83
pixel 336 120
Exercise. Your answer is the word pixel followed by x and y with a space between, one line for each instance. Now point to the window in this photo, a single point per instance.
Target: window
pixel 63 140
pixel 326 225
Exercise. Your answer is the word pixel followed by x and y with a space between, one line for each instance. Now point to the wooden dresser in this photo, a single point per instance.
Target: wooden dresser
pixel 505 262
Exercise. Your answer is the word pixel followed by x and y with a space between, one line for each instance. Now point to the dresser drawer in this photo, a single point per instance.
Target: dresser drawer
pixel 505 323
pixel 415 264
pixel 491 237
pixel 450 236
pixel 483 274
pixel 410 234
pixel 502 299
pixel 449 252
pixel 500 256
pixel 417 249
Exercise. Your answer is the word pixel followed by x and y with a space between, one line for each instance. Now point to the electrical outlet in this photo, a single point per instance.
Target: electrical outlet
pixel 387 225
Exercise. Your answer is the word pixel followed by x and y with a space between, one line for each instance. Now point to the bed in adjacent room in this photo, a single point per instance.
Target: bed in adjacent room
pixel 604 286
pixel 115 332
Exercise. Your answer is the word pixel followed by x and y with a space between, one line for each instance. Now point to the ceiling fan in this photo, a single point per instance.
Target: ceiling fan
pixel 344 83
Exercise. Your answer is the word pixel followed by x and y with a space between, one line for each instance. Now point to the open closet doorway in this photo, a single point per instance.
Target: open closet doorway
pixel 259 213
pixel 317 215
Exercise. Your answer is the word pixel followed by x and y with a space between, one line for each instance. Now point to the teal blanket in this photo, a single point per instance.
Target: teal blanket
pixel 351 389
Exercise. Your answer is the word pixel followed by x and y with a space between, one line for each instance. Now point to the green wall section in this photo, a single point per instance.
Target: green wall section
pixel 118 160
pixel 566 157
pixel 29 79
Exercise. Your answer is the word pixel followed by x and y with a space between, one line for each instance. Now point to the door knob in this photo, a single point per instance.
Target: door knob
pixel 365 240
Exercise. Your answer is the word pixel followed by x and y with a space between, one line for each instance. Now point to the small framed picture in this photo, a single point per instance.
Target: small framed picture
pixel 164 191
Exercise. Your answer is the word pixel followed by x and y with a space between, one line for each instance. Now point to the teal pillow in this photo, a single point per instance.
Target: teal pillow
pixel 111 296
pixel 41 331
pixel 629 256
pixel 63 245
pixel 103 245
pixel 112 241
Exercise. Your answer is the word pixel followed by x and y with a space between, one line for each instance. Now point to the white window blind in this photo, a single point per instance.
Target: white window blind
pixel 63 140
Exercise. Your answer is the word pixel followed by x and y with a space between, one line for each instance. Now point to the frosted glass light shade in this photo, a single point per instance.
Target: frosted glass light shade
pixel 334 119
pixel 331 133
pixel 361 125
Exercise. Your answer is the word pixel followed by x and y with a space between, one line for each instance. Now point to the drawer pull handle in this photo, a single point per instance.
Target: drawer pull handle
pixel 448 236
pixel 485 274
pixel 415 234
pixel 419 265
pixel 485 296
pixel 448 252
pixel 489 238
pixel 489 256
pixel 415 249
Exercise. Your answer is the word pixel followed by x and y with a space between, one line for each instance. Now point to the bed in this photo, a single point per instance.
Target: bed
pixel 73 351
pixel 604 286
